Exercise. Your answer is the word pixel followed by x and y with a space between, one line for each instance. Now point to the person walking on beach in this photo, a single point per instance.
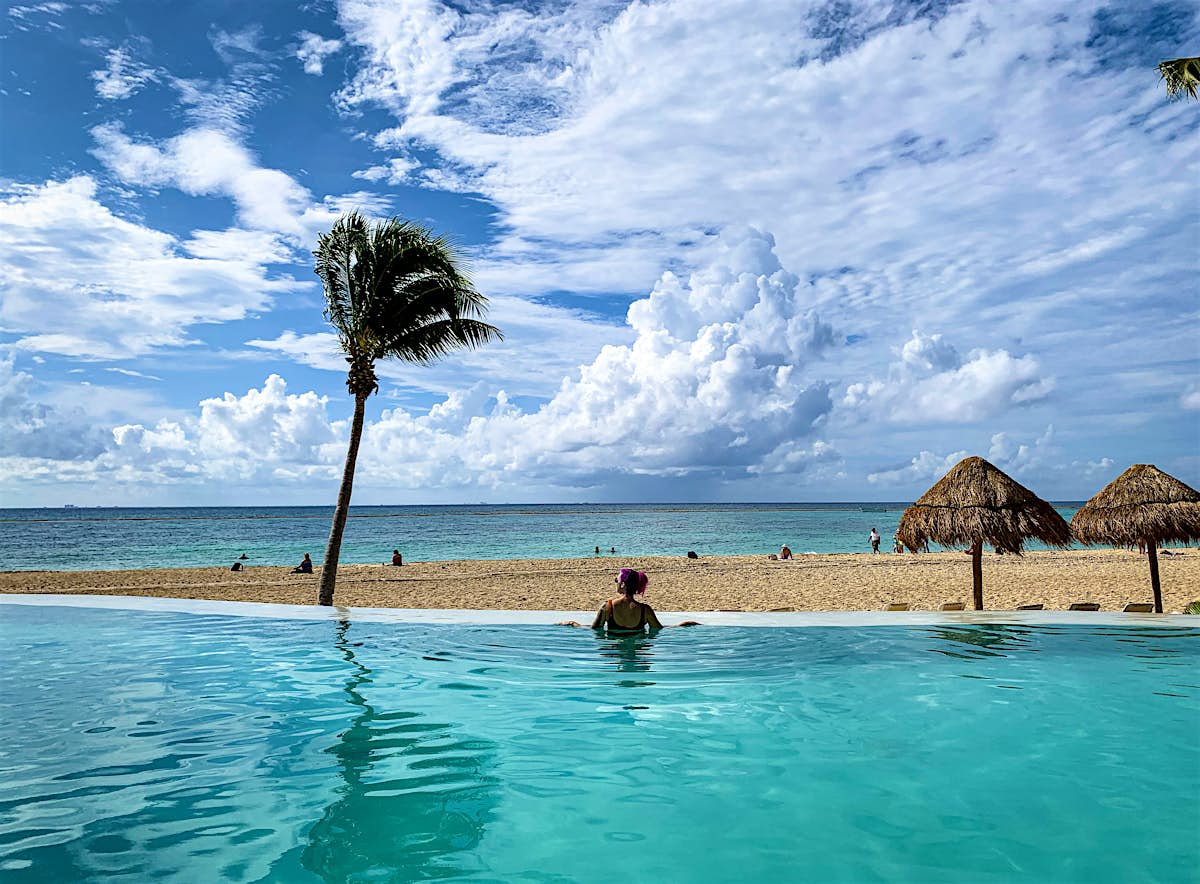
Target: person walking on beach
pixel 305 566
pixel 874 541
pixel 623 614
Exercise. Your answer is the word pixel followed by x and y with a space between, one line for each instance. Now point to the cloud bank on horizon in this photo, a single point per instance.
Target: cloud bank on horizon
pixel 739 250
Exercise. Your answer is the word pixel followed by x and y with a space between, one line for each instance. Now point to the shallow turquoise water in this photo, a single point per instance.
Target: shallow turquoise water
pixel 188 747
pixel 186 537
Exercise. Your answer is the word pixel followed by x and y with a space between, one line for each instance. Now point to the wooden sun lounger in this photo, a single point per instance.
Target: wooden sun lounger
pixel 1084 606
pixel 952 606
pixel 897 606
pixel 1030 607
pixel 1139 608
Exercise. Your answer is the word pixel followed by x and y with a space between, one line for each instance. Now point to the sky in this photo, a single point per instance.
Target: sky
pixel 739 251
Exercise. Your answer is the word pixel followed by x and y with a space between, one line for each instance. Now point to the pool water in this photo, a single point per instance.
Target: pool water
pixel 187 747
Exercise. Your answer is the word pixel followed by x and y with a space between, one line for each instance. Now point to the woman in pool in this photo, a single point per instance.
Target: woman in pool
pixel 623 614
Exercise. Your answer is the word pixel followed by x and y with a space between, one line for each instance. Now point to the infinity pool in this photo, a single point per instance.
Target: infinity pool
pixel 203 747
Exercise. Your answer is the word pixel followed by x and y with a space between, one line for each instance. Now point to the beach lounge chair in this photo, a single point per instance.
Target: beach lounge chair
pixel 897 606
pixel 1139 608
pixel 1030 607
pixel 1084 606
pixel 952 606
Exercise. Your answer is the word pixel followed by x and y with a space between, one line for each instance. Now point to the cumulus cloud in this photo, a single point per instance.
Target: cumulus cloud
pixel 32 428
pixel 1190 400
pixel 925 467
pixel 313 50
pixel 123 76
pixel 962 193
pixel 1038 460
pixel 721 380
pixel 118 288
pixel 930 382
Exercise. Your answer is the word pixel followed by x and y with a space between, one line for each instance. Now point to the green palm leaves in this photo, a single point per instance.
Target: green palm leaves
pixel 395 289
pixel 1182 76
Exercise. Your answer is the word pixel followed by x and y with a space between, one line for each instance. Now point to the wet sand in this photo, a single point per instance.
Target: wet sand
pixel 858 582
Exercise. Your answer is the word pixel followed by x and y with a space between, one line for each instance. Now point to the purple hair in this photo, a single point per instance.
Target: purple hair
pixel 636 580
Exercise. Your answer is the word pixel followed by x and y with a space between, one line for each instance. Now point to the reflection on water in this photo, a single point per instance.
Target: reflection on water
pixel 629 654
pixel 987 640
pixel 414 794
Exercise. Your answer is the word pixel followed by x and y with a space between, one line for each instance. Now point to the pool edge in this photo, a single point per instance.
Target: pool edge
pixel 274 611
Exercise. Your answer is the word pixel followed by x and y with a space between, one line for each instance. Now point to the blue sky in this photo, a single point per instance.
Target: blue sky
pixel 740 250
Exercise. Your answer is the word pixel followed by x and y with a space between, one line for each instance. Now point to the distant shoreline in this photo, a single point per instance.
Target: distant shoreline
pixel 820 582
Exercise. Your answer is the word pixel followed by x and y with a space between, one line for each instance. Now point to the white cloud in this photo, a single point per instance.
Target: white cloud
pixel 1008 183
pixel 264 433
pixel 1190 400
pixel 313 50
pixel 123 76
pixel 33 428
pixel 1037 462
pixel 118 288
pixel 130 373
pixel 930 382
pixel 925 467
pixel 208 162
pixel 718 382
pixel 394 171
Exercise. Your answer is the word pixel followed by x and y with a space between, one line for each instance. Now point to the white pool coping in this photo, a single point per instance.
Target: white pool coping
pixel 543 618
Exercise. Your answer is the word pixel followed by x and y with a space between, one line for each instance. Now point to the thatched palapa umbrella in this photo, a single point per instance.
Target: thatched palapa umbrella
pixel 1142 505
pixel 974 504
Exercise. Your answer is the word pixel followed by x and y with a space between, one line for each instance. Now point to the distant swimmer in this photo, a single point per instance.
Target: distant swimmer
pixel 612 549
pixel 305 567
pixel 243 557
pixel 397 559
pixel 597 550
pixel 624 615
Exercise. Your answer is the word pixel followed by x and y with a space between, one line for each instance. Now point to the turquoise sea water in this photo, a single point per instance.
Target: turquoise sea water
pixel 186 747
pixel 114 538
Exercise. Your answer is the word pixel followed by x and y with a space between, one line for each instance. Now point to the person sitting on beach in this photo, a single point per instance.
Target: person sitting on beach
pixel 305 567
pixel 784 553
pixel 397 559
pixel 624 615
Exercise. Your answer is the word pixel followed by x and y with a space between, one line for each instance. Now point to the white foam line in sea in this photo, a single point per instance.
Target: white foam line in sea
pixel 544 618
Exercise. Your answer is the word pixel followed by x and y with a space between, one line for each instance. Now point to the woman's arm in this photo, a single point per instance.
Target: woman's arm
pixel 601 616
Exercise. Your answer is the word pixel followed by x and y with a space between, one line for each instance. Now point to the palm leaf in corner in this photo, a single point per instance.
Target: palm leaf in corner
pixel 1182 76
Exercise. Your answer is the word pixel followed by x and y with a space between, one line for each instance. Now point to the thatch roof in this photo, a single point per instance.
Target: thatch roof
pixel 1143 503
pixel 976 502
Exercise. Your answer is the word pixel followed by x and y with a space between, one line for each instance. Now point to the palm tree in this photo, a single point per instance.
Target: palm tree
pixel 1182 76
pixel 392 290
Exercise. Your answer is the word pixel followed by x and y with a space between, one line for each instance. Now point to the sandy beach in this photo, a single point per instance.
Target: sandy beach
pixel 861 582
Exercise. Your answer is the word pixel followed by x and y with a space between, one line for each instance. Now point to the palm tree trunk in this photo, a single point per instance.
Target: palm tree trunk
pixel 977 573
pixel 1152 548
pixel 334 548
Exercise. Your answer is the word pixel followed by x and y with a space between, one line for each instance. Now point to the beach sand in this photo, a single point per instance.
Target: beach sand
pixel 858 582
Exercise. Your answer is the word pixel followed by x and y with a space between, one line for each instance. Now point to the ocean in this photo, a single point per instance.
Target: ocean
pixel 113 538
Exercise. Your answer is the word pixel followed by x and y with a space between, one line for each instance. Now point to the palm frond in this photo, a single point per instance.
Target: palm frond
pixel 1182 76
pixel 338 256
pixel 396 289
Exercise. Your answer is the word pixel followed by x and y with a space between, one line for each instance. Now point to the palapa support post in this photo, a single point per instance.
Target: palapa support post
pixel 1152 550
pixel 977 573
